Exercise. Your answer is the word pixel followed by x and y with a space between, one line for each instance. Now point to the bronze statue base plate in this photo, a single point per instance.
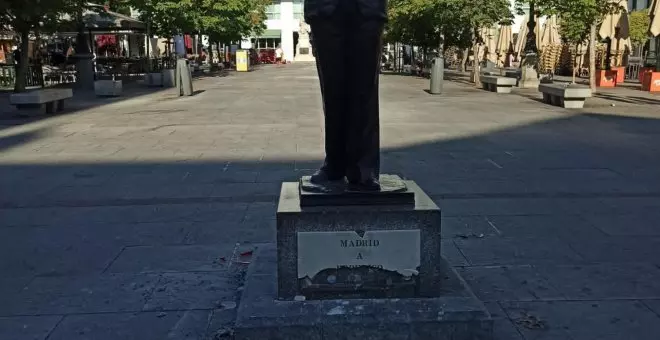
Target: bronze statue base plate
pixel 393 191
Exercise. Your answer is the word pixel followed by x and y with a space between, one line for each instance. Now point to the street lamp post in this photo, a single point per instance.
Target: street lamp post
pixel 528 73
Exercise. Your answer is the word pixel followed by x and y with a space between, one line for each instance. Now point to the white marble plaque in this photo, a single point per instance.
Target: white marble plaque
pixel 394 250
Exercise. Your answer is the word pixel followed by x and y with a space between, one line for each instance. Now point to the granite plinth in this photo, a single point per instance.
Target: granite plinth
pixel 393 191
pixel 363 221
pixel 454 314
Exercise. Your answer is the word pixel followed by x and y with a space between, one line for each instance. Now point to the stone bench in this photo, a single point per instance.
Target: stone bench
pixel 36 100
pixel 571 97
pixel 497 84
pixel 514 74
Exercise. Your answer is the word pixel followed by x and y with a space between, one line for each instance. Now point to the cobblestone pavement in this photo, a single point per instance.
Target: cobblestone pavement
pixel 132 219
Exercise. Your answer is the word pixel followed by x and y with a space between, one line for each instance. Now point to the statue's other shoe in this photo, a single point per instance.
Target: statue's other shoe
pixel 368 184
pixel 323 176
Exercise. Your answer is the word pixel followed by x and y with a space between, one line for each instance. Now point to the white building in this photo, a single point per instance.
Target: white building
pixel 282 25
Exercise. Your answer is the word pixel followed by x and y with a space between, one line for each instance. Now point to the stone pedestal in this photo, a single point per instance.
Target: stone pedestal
pixel 184 78
pixel 108 88
pixel 154 79
pixel 357 271
pixel 84 71
pixel 169 78
pixel 529 77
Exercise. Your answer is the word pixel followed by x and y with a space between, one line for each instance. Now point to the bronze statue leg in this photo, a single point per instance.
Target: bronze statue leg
pixel 348 47
pixel 330 43
pixel 363 147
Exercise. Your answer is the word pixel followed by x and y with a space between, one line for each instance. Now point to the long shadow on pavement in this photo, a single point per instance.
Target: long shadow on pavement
pixel 550 222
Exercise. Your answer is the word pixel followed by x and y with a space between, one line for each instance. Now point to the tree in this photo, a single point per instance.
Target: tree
pixel 588 13
pixel 573 32
pixel 24 17
pixel 221 20
pixel 442 23
pixel 639 27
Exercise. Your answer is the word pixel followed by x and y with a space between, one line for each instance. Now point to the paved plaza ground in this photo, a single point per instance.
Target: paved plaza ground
pixel 133 218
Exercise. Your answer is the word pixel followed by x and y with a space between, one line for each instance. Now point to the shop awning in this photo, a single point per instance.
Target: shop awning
pixel 98 18
pixel 271 34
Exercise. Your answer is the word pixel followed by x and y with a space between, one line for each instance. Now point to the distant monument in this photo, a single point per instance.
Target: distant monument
pixel 304 48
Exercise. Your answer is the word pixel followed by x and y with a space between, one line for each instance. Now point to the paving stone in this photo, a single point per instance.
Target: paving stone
pixel 645 224
pixel 497 206
pixel 566 226
pixel 193 325
pixel 260 211
pixel 41 251
pixel 452 253
pixel 605 281
pixel 584 320
pixel 617 249
pixel 654 305
pixel 217 212
pixel 507 283
pixel 11 285
pixel 192 290
pixel 503 327
pixel 503 251
pixel 81 294
pixel 248 231
pixel 131 326
pixel 27 327
pixel 222 323
pixel 145 259
pixel 467 227
pixel 237 190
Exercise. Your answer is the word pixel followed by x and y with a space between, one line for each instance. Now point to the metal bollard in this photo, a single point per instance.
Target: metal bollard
pixel 183 78
pixel 437 75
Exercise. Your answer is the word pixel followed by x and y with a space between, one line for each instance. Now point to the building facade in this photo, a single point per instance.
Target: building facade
pixel 282 26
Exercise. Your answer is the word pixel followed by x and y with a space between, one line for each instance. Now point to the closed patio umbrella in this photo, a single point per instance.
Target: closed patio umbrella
pixel 654 13
pixel 504 45
pixel 488 50
pixel 550 35
pixel 519 49
pixel 616 27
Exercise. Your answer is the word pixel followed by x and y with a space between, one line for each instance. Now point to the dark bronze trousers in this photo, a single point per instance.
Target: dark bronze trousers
pixel 348 51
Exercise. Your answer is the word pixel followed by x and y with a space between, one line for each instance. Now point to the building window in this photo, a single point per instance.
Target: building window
pixel 273 11
pixel 298 9
pixel 262 43
pixel 637 5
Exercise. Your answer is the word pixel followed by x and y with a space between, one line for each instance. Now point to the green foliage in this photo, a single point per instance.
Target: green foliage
pixel 222 20
pixel 587 12
pixel 639 26
pixel 426 22
pixel 25 16
pixel 573 28
pixel 31 15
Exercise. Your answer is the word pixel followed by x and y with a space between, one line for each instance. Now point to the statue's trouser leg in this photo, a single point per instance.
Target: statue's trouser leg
pixel 348 50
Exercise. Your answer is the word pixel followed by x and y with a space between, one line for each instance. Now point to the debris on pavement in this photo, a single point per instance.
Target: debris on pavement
pixel 530 321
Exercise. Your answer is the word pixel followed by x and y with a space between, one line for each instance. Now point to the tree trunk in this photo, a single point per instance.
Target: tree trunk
pixel 210 56
pixel 464 59
pixel 592 59
pixel 22 64
pixel 476 66
pixel 574 59
pixel 149 67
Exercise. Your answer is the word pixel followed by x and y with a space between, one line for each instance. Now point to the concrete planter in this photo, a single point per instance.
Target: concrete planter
pixel 108 88
pixel 154 79
pixel 169 77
